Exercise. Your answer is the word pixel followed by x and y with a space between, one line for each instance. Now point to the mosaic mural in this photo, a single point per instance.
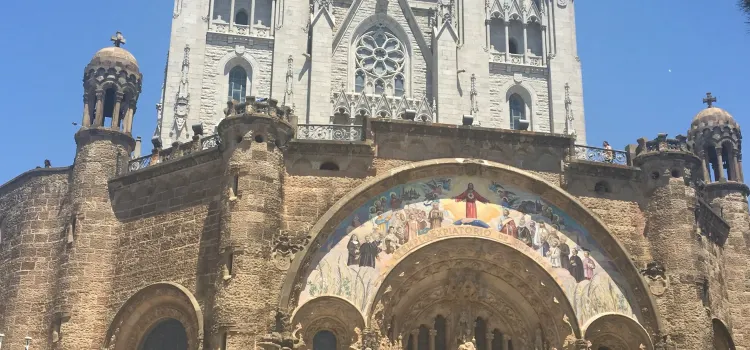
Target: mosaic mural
pixel 360 252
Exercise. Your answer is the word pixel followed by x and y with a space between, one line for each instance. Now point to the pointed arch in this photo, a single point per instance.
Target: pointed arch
pixel 722 337
pixel 235 58
pixel 529 96
pixel 395 28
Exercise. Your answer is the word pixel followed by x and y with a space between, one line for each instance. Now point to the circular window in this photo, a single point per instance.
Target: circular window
pixel 380 53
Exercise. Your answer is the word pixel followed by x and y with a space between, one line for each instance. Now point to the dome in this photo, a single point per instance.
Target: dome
pixel 712 116
pixel 115 56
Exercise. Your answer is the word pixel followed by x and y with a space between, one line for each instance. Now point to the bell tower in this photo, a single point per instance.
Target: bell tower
pixel 111 83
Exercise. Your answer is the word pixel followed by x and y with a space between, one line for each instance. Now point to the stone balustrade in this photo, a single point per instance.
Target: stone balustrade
pixel 601 155
pixel 330 132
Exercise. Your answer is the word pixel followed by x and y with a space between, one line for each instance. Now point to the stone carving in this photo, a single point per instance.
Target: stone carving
pixel 282 336
pixel 570 339
pixel 285 248
pixel 386 344
pixel 655 274
pixel 182 104
pixel 357 345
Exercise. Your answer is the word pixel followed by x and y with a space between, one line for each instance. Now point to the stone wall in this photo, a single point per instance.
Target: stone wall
pixel 32 224
pixel 168 232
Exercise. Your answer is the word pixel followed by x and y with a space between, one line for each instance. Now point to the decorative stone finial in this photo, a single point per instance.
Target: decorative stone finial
pixel 709 100
pixel 118 39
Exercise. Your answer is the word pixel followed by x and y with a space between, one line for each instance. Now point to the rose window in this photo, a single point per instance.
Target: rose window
pixel 380 60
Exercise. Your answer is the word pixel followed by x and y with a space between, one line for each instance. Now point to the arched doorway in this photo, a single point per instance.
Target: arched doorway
pixel 473 287
pixel 722 338
pixel 169 334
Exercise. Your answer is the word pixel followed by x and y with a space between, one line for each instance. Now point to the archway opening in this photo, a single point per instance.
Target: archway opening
pixel 169 334
pixel 324 340
pixel 722 338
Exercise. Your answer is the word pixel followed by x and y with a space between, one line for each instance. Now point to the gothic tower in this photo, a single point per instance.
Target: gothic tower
pixel 112 84
pixel 510 64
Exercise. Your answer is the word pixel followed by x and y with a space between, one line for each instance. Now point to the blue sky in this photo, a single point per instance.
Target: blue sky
pixel 627 49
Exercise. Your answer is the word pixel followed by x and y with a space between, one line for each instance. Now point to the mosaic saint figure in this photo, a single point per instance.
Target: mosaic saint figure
pixel 554 254
pixel 564 254
pixel 436 216
pixel 524 232
pixel 355 223
pixel 368 252
pixel 543 236
pixel 395 201
pixel 588 265
pixel 353 248
pixel 470 196
pixel 507 225
pixel 576 266
pixel 391 241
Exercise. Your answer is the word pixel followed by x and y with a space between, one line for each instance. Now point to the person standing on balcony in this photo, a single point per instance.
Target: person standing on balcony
pixel 609 155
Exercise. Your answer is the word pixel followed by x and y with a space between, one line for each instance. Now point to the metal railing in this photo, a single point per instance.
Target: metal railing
pixel 331 132
pixel 171 153
pixel 600 155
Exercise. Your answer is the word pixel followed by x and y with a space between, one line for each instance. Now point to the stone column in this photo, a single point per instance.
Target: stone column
pixel 544 45
pixel 252 17
pixel 506 342
pixel 128 127
pixel 273 18
pixel 720 165
pixel 487 33
pixel 704 166
pixel 433 333
pixel 525 44
pixel 320 71
pixel 86 111
pixel 735 166
pixel 116 111
pixel 231 16
pixel 99 118
pixel 211 6
pixel 414 339
pixel 507 41
pixel 490 337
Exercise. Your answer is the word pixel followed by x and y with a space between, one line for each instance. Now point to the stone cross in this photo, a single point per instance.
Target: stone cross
pixel 118 39
pixel 709 100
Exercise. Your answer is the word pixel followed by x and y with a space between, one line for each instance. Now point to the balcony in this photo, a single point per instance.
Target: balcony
pixel 175 152
pixel 330 132
pixel 517 59
pixel 601 155
pixel 258 30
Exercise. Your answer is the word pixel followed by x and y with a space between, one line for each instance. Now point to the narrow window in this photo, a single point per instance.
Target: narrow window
pixel 109 104
pixel 324 340
pixel 480 333
pixel 440 337
pixel 379 86
pixel 398 87
pixel 241 18
pixel 235 186
pixel 237 84
pixel 517 111
pixel 224 341
pixel 538 4
pixel 423 338
pixel 513 46
pixel 230 264
pixel 359 81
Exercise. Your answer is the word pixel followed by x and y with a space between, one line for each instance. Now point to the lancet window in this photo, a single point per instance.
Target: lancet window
pixel 517 111
pixel 237 84
pixel 380 59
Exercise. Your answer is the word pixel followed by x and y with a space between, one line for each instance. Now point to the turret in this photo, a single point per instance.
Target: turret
pixel 668 175
pixel 112 83
pixel 253 135
pixel 717 140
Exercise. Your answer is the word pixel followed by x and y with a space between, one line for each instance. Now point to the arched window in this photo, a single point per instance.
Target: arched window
pixel 237 84
pixel 423 339
pixel 381 56
pixel 241 18
pixel 513 46
pixel 109 103
pixel 167 335
pixel 497 35
pixel 440 337
pixel 497 340
pixel 359 81
pixel 538 4
pixel 379 86
pixel 398 87
pixel 480 333
pixel 324 340
pixel 517 112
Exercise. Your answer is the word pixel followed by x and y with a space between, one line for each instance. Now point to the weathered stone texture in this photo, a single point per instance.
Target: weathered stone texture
pixel 32 233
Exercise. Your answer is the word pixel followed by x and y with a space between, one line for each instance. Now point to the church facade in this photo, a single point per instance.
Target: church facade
pixel 373 174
